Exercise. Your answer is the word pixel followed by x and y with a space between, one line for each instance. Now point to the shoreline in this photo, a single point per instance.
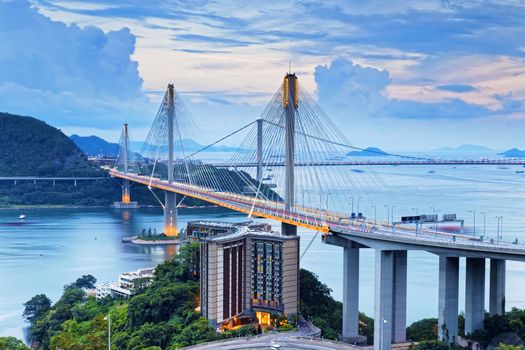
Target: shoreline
pixel 158 242
pixel 138 241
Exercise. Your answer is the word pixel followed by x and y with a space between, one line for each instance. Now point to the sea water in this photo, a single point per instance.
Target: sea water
pixel 53 247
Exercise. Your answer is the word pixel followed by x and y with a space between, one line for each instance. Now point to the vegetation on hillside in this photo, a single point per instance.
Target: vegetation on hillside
pixel 161 316
pixel 11 343
pixel 317 304
pixel 422 330
pixel 29 146
pixel 512 321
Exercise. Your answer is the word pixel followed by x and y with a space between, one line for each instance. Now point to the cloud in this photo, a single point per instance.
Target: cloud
pixel 65 74
pixel 459 88
pixel 360 90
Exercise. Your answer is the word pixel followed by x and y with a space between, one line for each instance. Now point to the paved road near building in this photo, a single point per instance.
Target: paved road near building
pixel 285 341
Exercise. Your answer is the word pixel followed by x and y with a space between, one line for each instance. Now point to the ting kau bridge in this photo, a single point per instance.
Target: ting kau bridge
pixel 282 170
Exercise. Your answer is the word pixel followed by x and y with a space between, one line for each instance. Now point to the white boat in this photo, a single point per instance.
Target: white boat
pixel 22 217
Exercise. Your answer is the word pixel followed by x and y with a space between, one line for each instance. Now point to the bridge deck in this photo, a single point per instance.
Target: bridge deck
pixel 338 224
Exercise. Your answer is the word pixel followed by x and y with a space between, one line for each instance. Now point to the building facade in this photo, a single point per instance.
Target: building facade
pixel 249 272
pixel 127 285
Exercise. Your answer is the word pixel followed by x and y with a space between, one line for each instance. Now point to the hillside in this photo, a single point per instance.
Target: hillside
pixel 29 146
pixel 512 153
pixel 94 145
pixel 368 152
pixel 466 148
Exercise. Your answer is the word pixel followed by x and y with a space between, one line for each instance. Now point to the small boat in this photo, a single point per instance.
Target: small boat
pixel 22 217
pixel 520 171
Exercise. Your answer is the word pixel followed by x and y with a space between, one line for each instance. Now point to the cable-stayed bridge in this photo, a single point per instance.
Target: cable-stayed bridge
pixel 283 170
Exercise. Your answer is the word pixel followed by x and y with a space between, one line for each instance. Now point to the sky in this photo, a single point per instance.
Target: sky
pixel 399 75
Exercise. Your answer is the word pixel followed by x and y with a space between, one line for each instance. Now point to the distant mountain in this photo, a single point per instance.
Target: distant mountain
pixel 513 153
pixel 94 145
pixel 368 152
pixel 467 148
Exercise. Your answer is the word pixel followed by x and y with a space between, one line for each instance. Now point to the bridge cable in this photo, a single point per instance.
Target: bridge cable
pixel 309 244
pixel 221 139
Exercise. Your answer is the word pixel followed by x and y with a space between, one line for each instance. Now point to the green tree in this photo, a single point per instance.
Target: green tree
pixel 36 308
pixel 86 281
pixel 197 332
pixel 317 303
pixel 69 337
pixel 430 345
pixel 425 329
pixel 11 343
pixel 502 346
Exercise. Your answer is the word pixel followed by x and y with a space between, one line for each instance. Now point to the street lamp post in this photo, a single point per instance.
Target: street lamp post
pixel 436 213
pixel 474 212
pixel 484 224
pixel 387 213
pixel 358 199
pixel 109 330
pixel 375 213
pixel 500 228
pixel 392 221
pixel 381 331
pixel 497 230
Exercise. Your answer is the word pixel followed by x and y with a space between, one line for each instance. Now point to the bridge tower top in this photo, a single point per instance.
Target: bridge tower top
pixel 290 90
pixel 170 109
pixel 126 147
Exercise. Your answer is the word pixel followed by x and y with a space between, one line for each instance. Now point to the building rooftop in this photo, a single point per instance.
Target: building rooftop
pixel 243 232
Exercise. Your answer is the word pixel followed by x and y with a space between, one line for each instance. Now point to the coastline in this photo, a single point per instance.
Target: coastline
pixel 135 240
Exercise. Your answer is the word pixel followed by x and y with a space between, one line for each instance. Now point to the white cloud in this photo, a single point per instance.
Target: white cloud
pixel 65 74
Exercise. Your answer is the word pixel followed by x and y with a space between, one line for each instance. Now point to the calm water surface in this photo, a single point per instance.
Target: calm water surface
pixel 55 246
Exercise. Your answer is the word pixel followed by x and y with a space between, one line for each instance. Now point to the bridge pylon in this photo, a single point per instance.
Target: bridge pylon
pixel 170 198
pixel 290 105
pixel 125 202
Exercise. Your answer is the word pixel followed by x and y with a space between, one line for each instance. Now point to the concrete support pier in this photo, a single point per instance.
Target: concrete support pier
pixel 383 299
pixel 390 298
pixel 350 332
pixel 399 293
pixel 497 287
pixel 474 294
pixel 448 299
pixel 351 295
pixel 170 213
